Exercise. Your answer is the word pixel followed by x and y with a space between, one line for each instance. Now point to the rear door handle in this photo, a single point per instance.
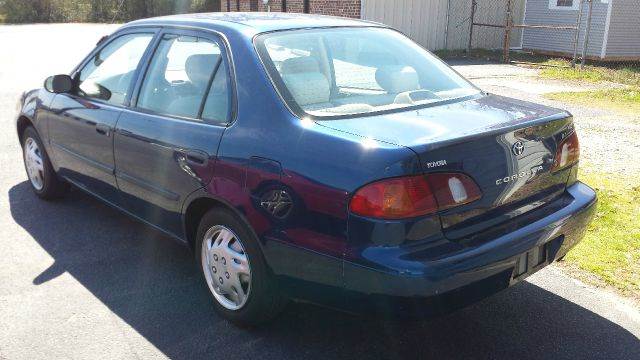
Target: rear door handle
pixel 103 129
pixel 196 157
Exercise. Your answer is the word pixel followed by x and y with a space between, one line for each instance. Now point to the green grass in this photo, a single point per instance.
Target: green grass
pixel 622 73
pixel 611 247
pixel 625 100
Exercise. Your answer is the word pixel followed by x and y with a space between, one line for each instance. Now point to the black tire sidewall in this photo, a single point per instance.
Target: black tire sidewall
pixel 262 304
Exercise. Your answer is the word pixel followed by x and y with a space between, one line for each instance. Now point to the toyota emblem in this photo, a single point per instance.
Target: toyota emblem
pixel 518 148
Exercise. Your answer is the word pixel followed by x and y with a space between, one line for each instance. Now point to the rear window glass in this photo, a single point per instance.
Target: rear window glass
pixel 349 71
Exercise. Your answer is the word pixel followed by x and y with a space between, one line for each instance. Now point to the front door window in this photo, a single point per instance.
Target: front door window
pixel 109 73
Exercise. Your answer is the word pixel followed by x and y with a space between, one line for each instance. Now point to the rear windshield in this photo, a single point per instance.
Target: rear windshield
pixel 338 72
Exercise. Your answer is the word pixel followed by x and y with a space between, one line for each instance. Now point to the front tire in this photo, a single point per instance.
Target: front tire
pixel 43 179
pixel 227 252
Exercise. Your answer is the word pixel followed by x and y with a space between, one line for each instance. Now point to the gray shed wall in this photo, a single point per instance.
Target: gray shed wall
pixel 624 31
pixel 561 41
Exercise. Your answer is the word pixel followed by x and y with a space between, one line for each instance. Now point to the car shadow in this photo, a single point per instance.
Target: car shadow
pixel 151 282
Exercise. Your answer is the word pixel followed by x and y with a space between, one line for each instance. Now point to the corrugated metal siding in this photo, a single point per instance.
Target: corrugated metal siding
pixel 624 30
pixel 459 13
pixel 538 13
pixel 425 21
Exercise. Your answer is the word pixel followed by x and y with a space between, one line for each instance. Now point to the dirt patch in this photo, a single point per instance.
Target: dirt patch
pixel 589 278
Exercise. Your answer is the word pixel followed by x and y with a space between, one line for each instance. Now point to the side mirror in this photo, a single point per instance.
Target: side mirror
pixel 58 84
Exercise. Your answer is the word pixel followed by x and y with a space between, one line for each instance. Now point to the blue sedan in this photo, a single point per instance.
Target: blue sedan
pixel 311 158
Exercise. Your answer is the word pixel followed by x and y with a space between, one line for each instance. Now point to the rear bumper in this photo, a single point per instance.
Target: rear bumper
pixel 473 273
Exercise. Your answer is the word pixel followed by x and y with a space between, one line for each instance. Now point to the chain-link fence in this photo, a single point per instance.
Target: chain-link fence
pixel 580 29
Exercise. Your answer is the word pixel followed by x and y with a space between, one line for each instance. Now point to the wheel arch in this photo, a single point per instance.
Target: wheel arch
pixel 22 124
pixel 199 205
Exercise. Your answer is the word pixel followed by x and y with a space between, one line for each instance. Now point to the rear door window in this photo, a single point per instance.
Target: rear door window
pixel 188 78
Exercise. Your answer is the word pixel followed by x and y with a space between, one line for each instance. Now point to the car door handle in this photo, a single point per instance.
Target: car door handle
pixel 196 157
pixel 103 129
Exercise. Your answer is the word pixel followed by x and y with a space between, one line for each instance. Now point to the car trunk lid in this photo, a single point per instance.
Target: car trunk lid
pixel 506 146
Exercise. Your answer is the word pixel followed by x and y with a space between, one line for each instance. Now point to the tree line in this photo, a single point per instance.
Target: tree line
pixel 45 11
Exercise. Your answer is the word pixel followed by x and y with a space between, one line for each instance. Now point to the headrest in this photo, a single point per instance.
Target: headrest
pixel 308 88
pixel 397 79
pixel 199 68
pixel 303 64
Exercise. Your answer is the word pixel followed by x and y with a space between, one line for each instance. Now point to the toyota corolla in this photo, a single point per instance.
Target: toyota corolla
pixel 311 158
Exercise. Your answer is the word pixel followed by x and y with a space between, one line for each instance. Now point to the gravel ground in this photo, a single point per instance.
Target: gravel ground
pixel 80 280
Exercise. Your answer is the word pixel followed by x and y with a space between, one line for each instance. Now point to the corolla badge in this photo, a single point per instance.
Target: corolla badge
pixel 518 148
pixel 529 174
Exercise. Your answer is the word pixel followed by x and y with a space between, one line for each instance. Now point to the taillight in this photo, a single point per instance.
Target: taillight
pixel 568 152
pixel 453 189
pixel 407 197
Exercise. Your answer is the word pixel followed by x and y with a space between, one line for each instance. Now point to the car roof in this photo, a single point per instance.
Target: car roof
pixel 252 22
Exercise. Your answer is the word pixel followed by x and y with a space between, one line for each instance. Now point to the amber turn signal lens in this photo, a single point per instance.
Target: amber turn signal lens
pixel 568 152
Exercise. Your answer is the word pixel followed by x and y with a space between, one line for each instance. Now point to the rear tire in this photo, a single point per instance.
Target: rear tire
pixel 43 179
pixel 227 252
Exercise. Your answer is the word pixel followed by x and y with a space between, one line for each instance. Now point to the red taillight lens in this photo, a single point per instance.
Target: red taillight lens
pixel 408 197
pixel 394 198
pixel 568 152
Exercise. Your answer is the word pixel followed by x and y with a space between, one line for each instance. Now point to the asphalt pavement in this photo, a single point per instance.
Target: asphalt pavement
pixel 80 280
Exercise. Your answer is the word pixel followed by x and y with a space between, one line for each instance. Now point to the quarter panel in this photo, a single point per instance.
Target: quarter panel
pixel 320 168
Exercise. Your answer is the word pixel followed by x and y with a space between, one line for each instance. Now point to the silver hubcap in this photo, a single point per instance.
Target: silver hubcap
pixel 226 267
pixel 34 163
